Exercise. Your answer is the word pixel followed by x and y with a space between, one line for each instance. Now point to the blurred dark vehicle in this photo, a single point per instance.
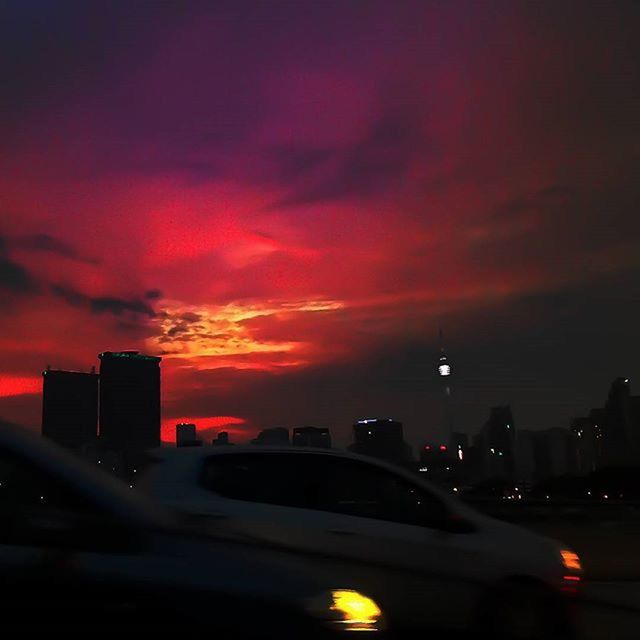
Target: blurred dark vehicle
pixel 79 551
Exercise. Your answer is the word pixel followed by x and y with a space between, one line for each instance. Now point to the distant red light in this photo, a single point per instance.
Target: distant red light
pixel 427 447
pixel 443 447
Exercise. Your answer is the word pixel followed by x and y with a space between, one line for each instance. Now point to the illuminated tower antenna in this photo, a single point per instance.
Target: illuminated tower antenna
pixel 444 374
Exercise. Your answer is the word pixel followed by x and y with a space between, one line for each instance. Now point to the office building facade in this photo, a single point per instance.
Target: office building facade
pixel 276 436
pixel 186 435
pixel 380 438
pixel 311 437
pixel 129 403
pixel 70 408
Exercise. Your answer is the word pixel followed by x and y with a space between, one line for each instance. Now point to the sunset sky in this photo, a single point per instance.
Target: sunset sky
pixel 287 200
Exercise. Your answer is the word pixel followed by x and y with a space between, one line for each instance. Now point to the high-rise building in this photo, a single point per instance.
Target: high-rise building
pixel 380 438
pixel 525 457
pixel 70 408
pixel 186 435
pixel 588 442
pixel 129 404
pixel 436 462
pixel 311 437
pixel 621 426
pixel 277 436
pixel 496 445
pixel 554 453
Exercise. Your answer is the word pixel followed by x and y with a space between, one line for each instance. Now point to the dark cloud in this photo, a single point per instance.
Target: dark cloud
pixel 70 295
pixel 48 244
pixel 557 234
pixel 294 162
pixel 183 327
pixel 377 162
pixel 119 306
pixel 178 329
pixel 103 304
pixel 14 278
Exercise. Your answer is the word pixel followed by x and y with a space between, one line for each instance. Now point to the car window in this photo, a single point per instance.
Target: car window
pixel 359 489
pixel 322 483
pixel 266 478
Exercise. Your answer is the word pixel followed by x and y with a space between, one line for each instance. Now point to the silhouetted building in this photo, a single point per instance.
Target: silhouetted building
pixel 380 438
pixel 277 436
pixel 555 453
pixel 311 437
pixel 129 404
pixel 588 442
pixel 496 445
pixel 186 435
pixel 435 455
pixel 436 463
pixel 222 440
pixel 621 426
pixel 545 454
pixel 70 408
pixel 525 457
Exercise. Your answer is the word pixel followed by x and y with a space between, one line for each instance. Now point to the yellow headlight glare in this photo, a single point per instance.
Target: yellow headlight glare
pixel 348 610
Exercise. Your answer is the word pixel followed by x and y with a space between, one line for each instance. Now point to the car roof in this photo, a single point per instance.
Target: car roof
pixel 195 453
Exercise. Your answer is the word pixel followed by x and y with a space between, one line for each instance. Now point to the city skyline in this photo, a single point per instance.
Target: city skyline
pixel 287 216
pixel 129 422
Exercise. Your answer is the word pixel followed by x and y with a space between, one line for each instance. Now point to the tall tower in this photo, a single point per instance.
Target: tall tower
pixel 444 375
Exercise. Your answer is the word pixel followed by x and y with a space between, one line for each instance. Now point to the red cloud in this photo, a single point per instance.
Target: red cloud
pixel 19 385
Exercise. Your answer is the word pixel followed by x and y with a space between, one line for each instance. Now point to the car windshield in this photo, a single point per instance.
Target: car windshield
pixel 406 231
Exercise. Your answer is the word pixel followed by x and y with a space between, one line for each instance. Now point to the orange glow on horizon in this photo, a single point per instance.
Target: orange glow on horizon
pixel 222 336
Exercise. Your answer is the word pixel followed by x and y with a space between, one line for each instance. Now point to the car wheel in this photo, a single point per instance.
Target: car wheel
pixel 522 611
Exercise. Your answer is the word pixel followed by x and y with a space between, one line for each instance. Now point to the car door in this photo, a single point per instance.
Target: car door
pixel 359 523
pixel 262 496
pixel 403 534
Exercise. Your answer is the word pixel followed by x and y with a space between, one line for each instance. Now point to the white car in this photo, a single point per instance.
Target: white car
pixel 81 552
pixel 427 558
